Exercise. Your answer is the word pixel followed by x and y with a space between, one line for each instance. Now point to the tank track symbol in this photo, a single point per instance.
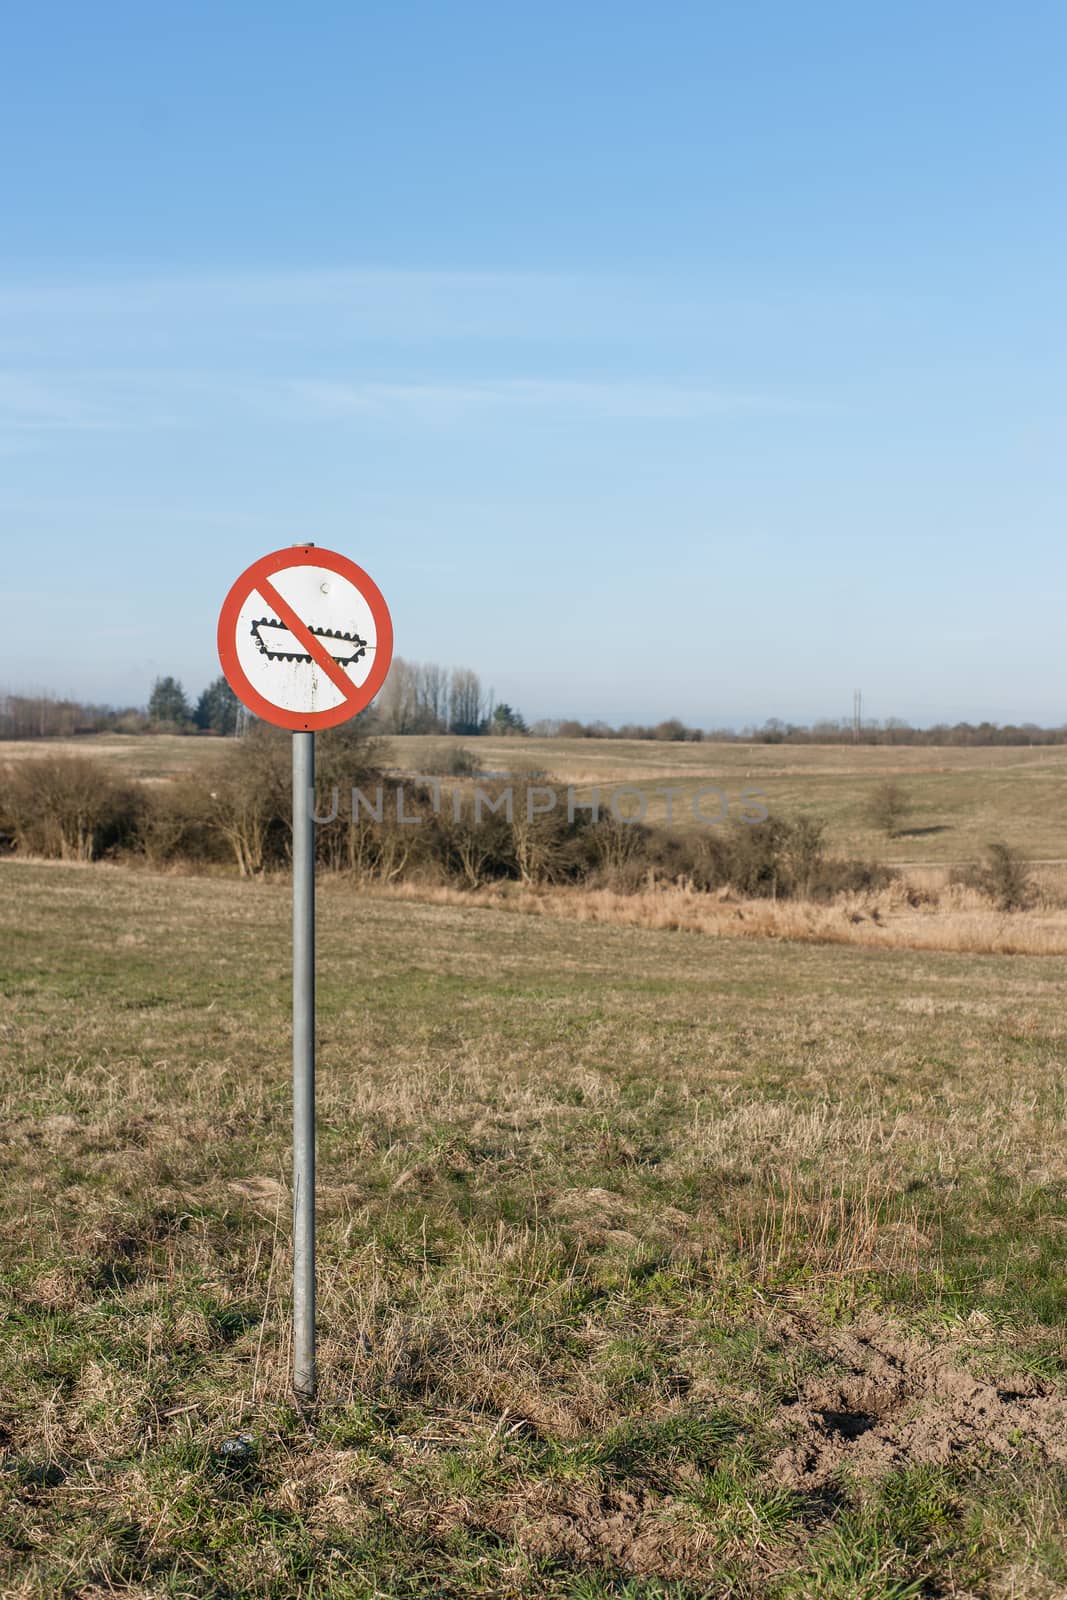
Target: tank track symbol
pixel 273 636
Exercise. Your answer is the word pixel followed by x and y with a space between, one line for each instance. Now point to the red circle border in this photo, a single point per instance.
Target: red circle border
pixel 304 555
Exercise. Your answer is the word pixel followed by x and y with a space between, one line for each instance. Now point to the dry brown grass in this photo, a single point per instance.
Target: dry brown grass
pixel 921 912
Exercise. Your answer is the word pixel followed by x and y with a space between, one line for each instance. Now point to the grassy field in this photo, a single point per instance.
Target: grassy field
pixel 960 798
pixel 147 755
pixel 651 1265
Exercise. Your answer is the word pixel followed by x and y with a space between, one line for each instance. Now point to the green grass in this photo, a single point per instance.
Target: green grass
pixel 611 1222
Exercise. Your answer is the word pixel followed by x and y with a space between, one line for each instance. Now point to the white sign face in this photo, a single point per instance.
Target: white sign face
pixel 305 638
pixel 278 665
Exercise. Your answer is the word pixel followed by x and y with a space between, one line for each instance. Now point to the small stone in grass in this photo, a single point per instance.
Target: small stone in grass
pixel 236 1451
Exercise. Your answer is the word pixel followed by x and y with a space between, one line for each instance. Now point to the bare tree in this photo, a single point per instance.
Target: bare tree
pixel 887 807
pixel 397 701
pixel 431 694
pixel 466 706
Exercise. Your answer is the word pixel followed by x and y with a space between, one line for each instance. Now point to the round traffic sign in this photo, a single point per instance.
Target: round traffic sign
pixel 305 638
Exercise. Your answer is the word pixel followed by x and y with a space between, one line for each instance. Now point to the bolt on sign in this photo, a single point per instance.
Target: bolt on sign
pixel 305 640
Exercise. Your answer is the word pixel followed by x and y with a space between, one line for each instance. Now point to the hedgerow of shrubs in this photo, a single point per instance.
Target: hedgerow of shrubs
pixel 237 813
pixel 68 808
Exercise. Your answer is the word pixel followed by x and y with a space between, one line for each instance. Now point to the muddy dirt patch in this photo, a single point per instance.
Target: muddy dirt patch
pixel 889 1403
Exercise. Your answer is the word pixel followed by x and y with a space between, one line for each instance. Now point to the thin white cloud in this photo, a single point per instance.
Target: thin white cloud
pixel 158 351
pixel 138 401
pixel 446 401
pixel 50 402
pixel 32 402
pixel 398 305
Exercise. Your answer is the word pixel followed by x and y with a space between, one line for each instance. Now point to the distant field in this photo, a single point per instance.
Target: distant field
pixel 961 798
pixel 652 1266
pixel 139 756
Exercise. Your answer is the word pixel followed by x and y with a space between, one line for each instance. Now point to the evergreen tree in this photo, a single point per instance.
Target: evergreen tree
pixel 505 720
pixel 167 702
pixel 217 708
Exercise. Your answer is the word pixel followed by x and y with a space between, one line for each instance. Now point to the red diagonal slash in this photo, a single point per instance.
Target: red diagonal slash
pixel 300 630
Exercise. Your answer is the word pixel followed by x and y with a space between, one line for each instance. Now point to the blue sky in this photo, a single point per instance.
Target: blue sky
pixel 704 359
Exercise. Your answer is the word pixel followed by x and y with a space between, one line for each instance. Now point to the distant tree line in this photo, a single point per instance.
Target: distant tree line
pixel 774 731
pixel 893 731
pixel 423 697
pixel 45 716
pixel 670 730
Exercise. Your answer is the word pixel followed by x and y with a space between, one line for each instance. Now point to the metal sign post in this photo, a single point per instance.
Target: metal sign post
pixel 305 640
pixel 303 1066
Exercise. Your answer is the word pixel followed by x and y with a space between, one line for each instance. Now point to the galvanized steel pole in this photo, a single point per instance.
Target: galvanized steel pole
pixel 304 1376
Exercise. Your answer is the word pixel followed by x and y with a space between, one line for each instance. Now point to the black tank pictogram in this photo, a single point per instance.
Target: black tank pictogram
pixel 272 636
